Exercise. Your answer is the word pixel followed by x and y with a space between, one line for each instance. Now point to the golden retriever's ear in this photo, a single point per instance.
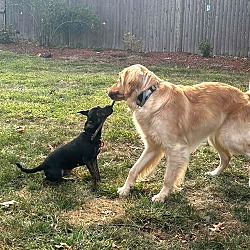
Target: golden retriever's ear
pixel 134 75
pixel 140 72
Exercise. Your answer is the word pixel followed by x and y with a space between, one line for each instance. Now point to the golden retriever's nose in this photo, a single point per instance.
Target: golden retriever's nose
pixel 113 95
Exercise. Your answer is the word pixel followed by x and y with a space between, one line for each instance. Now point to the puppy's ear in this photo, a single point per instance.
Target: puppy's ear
pixel 84 112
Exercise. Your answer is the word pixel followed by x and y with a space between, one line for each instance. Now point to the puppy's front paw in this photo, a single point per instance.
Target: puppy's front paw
pixel 123 191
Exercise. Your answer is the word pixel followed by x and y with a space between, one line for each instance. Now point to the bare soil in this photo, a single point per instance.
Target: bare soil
pixel 176 59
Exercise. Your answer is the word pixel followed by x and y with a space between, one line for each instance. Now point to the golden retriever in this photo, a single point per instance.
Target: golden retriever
pixel 174 119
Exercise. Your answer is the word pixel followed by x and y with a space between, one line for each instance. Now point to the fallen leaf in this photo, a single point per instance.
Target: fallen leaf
pixel 217 227
pixel 51 148
pixel 7 203
pixel 20 129
pixel 114 246
pixel 63 246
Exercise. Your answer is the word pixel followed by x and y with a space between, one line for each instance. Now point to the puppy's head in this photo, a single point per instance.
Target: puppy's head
pixel 96 116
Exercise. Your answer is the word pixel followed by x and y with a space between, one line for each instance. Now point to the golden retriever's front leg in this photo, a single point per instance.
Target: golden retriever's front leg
pixel 144 165
pixel 175 172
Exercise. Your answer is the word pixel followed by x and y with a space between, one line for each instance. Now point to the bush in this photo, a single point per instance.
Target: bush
pixel 6 36
pixel 132 43
pixel 57 18
pixel 205 49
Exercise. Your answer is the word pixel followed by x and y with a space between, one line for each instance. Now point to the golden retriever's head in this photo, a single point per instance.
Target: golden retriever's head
pixel 131 82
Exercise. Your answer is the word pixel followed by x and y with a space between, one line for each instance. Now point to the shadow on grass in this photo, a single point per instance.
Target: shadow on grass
pixel 235 187
pixel 237 193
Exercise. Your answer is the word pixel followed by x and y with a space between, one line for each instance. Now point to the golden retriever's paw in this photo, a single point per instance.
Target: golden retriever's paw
pixel 213 173
pixel 158 198
pixel 123 191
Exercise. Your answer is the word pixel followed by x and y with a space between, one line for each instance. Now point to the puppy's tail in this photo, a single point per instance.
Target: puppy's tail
pixel 30 171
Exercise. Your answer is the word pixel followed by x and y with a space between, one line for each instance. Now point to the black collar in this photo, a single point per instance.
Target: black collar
pixel 144 95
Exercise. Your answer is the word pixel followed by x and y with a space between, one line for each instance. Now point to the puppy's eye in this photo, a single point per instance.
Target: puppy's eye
pixel 89 124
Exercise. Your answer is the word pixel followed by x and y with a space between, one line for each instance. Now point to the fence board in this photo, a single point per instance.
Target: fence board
pixel 2 14
pixel 162 25
pixel 247 40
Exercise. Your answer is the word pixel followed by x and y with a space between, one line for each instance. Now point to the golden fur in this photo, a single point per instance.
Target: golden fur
pixel 176 119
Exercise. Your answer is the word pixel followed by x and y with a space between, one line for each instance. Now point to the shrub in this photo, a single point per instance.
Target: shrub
pixel 132 43
pixel 57 18
pixel 205 49
pixel 6 36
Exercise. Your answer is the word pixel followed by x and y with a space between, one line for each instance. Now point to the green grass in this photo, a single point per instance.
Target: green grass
pixel 43 97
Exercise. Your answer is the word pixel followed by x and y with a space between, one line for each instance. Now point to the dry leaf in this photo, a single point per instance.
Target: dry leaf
pixel 114 246
pixel 51 148
pixel 217 227
pixel 63 246
pixel 7 203
pixel 20 129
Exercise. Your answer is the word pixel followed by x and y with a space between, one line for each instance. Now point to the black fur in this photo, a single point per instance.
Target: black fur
pixel 83 150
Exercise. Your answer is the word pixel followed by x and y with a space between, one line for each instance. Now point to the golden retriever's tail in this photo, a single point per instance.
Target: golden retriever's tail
pixel 148 169
pixel 145 173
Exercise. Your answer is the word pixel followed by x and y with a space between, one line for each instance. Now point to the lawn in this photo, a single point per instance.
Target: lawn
pixel 39 103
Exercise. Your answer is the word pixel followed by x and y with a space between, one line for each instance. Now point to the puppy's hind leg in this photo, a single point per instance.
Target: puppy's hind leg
pixel 224 154
pixel 144 165
pixel 53 174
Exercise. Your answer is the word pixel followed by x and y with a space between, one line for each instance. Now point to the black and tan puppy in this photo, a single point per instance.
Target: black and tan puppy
pixel 83 150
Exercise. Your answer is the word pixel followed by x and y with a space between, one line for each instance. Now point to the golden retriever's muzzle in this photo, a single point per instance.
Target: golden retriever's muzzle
pixel 115 95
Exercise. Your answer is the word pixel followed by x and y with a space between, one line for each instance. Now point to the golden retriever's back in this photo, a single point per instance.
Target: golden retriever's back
pixel 188 108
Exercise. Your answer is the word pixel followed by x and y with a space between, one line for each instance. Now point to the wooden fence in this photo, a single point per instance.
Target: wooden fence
pixel 160 25
pixel 2 14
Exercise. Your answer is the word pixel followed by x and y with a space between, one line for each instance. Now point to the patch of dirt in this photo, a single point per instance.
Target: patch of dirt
pixel 24 193
pixel 98 210
pixel 177 59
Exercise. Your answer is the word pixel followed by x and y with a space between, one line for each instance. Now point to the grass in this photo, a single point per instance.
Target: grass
pixel 42 97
